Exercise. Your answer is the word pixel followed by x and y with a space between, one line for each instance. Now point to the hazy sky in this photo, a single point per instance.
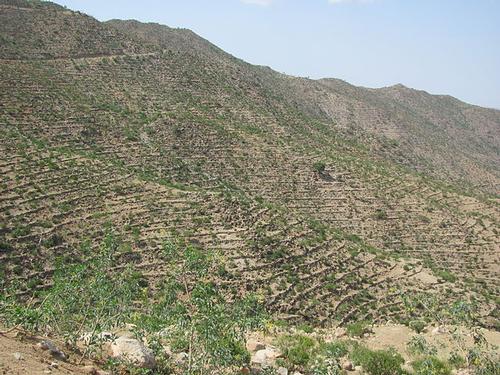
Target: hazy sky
pixel 441 46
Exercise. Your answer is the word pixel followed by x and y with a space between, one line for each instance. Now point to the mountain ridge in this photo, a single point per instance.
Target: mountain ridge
pixel 319 196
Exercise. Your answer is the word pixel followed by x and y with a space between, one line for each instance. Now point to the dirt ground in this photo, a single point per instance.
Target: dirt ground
pixel 397 337
pixel 19 355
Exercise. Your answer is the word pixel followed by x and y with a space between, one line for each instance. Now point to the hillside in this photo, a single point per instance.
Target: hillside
pixel 330 203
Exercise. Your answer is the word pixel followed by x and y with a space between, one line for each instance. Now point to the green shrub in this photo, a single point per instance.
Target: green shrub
pixel 485 362
pixel 418 345
pixel 336 349
pixel 306 328
pixel 418 325
pixel 431 366
pixel 298 349
pixel 456 360
pixel 357 329
pixel 446 276
pixel 94 297
pixel 319 167
pixel 378 362
pixel 380 214
pixel 326 366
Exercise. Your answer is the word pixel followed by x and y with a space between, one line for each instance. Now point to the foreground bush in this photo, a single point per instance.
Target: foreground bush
pixel 431 366
pixel 190 311
pixel 378 362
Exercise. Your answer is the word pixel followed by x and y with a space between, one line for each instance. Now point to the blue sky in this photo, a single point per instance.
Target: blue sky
pixel 441 46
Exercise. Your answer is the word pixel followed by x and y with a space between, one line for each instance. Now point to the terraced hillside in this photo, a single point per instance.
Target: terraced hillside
pixel 306 190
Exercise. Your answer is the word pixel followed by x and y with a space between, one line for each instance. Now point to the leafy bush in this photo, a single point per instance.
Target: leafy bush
pixel 319 167
pixel 315 357
pixel 306 328
pixel 298 349
pixel 418 325
pixel 357 329
pixel 378 362
pixel 456 360
pixel 430 366
pixel 336 349
pixel 380 214
pixel 326 366
pixel 485 362
pixel 418 345
pixel 94 298
pixel 446 276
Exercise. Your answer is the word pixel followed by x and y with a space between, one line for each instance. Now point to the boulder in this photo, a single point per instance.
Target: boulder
pixel 408 368
pixel 181 358
pixel 53 350
pixel 340 332
pixel 347 365
pixel 282 371
pixel 133 351
pixel 265 357
pixel 254 345
pixel 439 330
pixel 18 356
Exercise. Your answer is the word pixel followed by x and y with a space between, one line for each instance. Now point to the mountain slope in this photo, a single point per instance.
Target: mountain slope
pixel 306 201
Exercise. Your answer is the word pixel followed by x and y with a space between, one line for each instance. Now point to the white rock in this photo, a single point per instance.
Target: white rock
pixel 254 345
pixel 347 365
pixel 439 330
pixel 340 332
pixel 52 349
pixel 408 367
pixel 181 358
pixel 265 357
pixel 167 351
pixel 18 356
pixel 282 371
pixel 133 351
pixel 54 365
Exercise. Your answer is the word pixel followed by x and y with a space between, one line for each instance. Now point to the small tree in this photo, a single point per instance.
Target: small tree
pixel 319 167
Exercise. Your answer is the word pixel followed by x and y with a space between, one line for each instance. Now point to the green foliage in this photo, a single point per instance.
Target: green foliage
pixel 335 349
pixel 484 360
pixel 312 355
pixel 306 328
pixel 378 362
pixel 430 366
pixel 418 345
pixel 83 295
pixel 456 360
pixel 326 366
pixel 418 325
pixel 298 349
pixel 380 214
pixel 198 318
pixel 357 329
pixel 446 276
pixel 319 167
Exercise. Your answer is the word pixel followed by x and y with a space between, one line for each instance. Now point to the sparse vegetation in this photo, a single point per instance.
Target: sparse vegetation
pixel 319 167
pixel 148 178
pixel 358 329
pixel 378 362
pixel 430 366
